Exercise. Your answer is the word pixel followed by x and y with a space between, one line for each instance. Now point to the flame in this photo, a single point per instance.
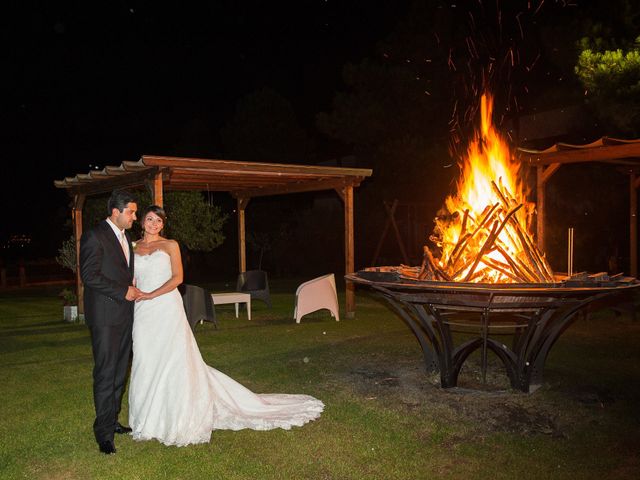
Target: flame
pixel 490 200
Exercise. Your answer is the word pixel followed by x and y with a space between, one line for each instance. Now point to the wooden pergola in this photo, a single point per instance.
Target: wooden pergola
pixel 624 154
pixel 243 180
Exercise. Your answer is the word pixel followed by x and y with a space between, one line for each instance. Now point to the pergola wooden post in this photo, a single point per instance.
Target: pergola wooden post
pixel 76 216
pixel 243 180
pixel 625 153
pixel 346 194
pixel 242 244
pixel 157 190
pixel 543 174
pixel 633 223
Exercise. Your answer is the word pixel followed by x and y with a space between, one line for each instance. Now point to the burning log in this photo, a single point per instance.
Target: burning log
pixel 463 229
pixel 463 239
pixel 412 273
pixel 519 269
pixel 423 273
pixel 434 266
pixel 495 231
pixel 458 249
pixel 463 268
pixel 427 268
pixel 485 247
pixel 501 268
pixel 525 240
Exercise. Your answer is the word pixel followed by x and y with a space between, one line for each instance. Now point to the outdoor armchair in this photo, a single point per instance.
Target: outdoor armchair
pixel 317 294
pixel 198 305
pixel 255 283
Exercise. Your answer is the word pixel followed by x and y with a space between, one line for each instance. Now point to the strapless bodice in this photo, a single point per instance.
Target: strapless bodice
pixel 153 270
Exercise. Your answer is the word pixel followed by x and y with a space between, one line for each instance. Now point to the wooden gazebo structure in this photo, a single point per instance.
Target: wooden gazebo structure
pixel 243 180
pixel 624 154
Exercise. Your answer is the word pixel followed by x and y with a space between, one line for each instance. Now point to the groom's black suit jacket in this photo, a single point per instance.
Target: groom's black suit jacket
pixel 106 277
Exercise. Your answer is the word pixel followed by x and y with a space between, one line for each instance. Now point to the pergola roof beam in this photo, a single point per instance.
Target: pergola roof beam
pixel 242 167
pixel 308 186
pixel 605 149
pixel 132 179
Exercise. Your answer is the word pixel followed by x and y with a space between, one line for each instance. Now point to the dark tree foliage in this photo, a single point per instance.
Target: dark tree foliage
pixel 612 83
pixel 608 66
pixel 191 220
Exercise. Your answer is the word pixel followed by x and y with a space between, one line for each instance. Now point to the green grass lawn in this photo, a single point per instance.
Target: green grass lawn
pixel 385 418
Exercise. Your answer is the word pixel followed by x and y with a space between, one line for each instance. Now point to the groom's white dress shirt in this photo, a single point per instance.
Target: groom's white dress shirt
pixel 122 239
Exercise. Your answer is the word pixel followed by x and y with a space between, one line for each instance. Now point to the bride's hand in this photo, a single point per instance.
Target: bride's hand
pixel 145 296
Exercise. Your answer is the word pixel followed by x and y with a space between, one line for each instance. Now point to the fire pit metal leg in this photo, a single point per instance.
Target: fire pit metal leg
pixel 484 319
pixel 550 330
pixel 525 351
pixel 423 332
pixel 448 374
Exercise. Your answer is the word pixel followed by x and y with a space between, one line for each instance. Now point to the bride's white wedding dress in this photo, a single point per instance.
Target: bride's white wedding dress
pixel 174 396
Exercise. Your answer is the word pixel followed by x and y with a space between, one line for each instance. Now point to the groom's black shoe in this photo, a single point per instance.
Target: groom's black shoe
pixel 122 429
pixel 107 447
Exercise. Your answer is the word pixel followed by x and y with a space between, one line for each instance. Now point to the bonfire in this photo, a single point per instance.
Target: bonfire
pixel 483 232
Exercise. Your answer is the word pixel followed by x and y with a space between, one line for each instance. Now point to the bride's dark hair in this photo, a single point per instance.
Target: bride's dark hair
pixel 159 211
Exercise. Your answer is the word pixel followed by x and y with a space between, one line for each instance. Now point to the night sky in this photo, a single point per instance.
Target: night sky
pixel 90 84
pixel 95 83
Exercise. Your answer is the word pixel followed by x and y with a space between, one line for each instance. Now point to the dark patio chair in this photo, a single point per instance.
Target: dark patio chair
pixel 198 305
pixel 255 283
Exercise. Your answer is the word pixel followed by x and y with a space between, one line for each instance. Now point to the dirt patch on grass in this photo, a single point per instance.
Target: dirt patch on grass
pixel 478 408
pixel 53 471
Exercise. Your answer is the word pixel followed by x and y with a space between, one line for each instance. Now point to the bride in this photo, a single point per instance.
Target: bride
pixel 174 396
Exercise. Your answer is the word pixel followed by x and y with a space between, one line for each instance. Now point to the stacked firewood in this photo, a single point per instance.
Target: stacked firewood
pixel 493 248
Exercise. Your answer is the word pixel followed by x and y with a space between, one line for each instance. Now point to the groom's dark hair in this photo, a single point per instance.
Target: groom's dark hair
pixel 120 199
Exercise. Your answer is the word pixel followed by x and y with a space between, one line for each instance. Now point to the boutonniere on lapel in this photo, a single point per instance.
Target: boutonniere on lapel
pixel 134 245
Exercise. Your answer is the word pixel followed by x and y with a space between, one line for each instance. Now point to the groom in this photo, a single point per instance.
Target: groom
pixel 106 268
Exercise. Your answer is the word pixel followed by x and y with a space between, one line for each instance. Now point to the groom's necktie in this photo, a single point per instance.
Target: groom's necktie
pixel 125 246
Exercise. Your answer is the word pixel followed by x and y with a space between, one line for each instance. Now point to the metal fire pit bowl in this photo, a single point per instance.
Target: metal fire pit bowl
pixel 535 314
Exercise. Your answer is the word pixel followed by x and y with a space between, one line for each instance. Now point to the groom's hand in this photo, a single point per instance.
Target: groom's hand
pixel 132 293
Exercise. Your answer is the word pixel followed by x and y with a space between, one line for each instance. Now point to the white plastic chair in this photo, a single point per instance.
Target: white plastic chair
pixel 315 295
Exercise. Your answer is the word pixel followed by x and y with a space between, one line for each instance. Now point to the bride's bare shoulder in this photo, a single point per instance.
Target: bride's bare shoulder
pixel 170 246
pixel 169 243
